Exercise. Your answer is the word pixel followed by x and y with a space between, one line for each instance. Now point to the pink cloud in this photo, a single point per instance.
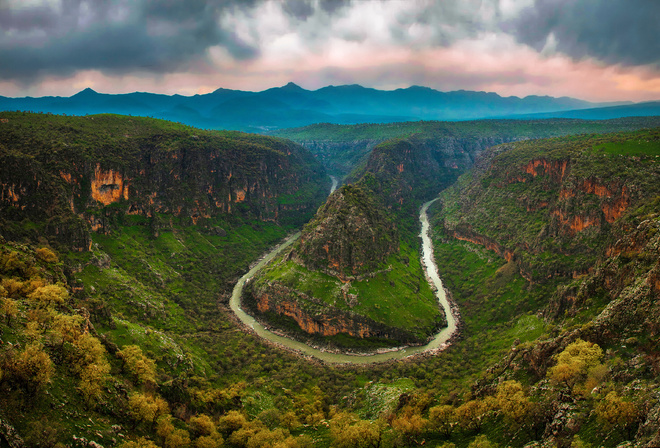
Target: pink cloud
pixel 490 63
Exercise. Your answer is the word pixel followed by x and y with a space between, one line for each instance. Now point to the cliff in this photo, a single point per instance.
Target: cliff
pixel 314 318
pixel 70 175
pixel 349 275
pixel 549 205
pixel 350 235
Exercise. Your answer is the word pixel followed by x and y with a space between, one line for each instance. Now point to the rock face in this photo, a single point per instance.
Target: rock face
pixel 350 235
pixel 314 317
pixel 349 241
pixel 550 205
pixel 76 174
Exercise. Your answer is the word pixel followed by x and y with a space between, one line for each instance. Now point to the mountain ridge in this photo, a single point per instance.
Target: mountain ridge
pixel 344 104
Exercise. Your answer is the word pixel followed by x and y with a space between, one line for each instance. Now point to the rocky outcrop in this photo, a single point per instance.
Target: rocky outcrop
pixel 107 186
pixel 628 278
pixel 315 318
pixel 350 235
pixel 60 177
pixel 549 205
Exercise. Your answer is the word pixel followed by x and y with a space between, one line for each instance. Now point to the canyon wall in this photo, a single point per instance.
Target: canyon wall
pixel 549 205
pixel 69 184
pixel 315 318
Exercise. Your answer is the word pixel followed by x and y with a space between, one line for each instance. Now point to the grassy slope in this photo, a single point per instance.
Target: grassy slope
pixel 497 307
pixel 398 297
pixel 480 128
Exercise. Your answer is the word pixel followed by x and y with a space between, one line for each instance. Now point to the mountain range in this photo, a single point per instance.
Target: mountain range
pixel 292 106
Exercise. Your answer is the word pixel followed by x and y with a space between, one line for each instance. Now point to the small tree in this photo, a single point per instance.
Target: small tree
pixel 137 364
pixel 348 431
pixel 410 426
pixel 49 295
pixel 8 309
pixel 66 328
pixel 92 378
pixel 443 418
pixel 46 255
pixel 512 402
pixel 179 438
pixel 575 363
pixel 140 442
pixel 146 408
pixel 616 412
pixel 32 367
pixel 230 422
pixel 470 415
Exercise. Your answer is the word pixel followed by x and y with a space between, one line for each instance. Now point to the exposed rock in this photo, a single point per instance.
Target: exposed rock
pixel 349 235
pixel 87 187
pixel 9 434
pixel 316 318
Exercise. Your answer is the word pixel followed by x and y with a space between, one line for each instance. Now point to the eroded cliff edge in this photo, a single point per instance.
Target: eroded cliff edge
pixel 72 175
pixel 321 286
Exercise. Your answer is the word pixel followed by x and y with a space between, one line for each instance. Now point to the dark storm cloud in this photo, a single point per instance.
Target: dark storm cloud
pixel 152 35
pixel 613 31
pixel 122 36
pixel 300 9
pixel 39 39
pixel 331 6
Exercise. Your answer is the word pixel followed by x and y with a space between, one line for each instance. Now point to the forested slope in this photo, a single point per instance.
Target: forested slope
pixel 129 342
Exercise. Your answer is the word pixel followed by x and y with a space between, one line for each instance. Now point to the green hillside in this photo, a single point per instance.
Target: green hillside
pixel 342 148
pixel 115 329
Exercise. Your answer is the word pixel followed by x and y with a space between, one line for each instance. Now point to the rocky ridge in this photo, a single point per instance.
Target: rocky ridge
pixel 154 169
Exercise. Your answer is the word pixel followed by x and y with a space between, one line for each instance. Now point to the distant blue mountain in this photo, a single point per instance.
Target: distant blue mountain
pixel 292 106
pixel 646 109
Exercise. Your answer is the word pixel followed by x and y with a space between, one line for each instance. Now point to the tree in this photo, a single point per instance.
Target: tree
pixel 89 350
pixel 214 441
pixel 137 364
pixel 8 309
pixel 302 441
pixel 49 295
pixel 32 367
pixel 179 438
pixel 348 431
pixel 410 425
pixel 230 422
pixel 443 418
pixel 140 442
pixel 289 420
pixel 201 425
pixel 66 328
pixel 92 378
pixel 482 442
pixel 46 255
pixel 470 415
pixel 512 402
pixel 616 412
pixel 266 438
pixel 575 362
pixel 146 407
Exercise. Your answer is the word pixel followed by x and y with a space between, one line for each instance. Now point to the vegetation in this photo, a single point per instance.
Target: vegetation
pixel 397 296
pixel 130 343
pixel 556 198
pixel 344 148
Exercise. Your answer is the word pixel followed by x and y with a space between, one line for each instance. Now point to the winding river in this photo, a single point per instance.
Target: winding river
pixel 437 343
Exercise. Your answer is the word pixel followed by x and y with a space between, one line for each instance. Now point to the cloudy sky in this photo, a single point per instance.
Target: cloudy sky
pixel 599 50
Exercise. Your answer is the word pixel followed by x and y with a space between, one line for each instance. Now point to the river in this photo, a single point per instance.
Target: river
pixel 438 342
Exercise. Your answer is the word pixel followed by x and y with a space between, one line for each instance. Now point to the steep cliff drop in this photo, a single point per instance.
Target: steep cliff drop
pixel 438 342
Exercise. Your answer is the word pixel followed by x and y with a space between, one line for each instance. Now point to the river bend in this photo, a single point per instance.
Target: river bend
pixel 438 342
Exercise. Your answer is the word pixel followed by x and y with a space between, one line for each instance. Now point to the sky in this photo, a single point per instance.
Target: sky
pixel 597 50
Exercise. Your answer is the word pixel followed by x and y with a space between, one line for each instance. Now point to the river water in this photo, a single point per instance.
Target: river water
pixel 438 342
